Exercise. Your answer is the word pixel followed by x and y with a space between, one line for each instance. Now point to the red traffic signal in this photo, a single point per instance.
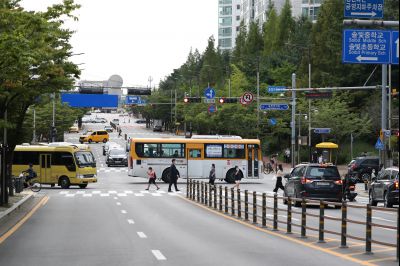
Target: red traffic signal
pixel 192 100
pixel 228 100
pixel 221 100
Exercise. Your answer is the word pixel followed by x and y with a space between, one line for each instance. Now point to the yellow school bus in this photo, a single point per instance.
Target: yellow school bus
pixel 195 156
pixel 57 165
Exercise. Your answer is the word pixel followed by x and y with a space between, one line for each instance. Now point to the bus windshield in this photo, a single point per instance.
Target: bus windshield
pixel 85 158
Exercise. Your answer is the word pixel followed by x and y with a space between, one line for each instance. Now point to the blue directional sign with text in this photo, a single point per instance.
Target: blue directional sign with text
pixel 132 100
pixel 366 46
pixel 209 93
pixel 276 89
pixel 395 48
pixel 363 8
pixel 273 121
pixel 274 106
pixel 322 130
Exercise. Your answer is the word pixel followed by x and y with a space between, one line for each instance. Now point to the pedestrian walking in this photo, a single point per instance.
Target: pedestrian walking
pixel 237 176
pixel 279 184
pixel 212 175
pixel 173 176
pixel 119 132
pixel 151 174
pixel 320 159
pixel 287 155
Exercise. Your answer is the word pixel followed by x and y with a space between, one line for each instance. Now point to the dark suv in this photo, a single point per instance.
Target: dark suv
pixel 385 188
pixel 314 181
pixel 363 167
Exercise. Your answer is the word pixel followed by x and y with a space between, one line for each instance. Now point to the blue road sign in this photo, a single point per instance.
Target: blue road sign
pixel 276 89
pixel 90 100
pixel 133 100
pixel 379 145
pixel 366 46
pixel 273 121
pixel 363 8
pixel 212 109
pixel 209 93
pixel 395 48
pixel 322 130
pixel 274 106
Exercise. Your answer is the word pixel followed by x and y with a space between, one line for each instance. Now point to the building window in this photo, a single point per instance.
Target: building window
pixel 225 32
pixel 238 7
pixel 225 43
pixel 225 21
pixel 237 18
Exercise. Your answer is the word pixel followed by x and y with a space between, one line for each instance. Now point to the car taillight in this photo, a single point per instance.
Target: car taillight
pixel 339 182
pixel 396 184
pixel 305 180
pixel 353 166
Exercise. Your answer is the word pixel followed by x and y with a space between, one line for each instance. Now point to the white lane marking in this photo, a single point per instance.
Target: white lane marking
pixel 115 198
pixel 87 195
pixel 80 192
pixel 96 192
pixel 124 212
pixel 130 221
pixel 144 192
pixel 156 194
pixel 70 195
pixel 158 255
pixel 141 235
pixel 119 203
pixel 64 192
pixel 160 191
pixel 382 219
pixel 121 195
pixel 139 195
pixel 104 195
pixel 128 192
pixel 112 192
pixel 172 194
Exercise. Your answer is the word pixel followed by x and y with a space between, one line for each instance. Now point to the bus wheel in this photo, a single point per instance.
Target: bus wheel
pixel 104 140
pixel 64 182
pixel 83 185
pixel 229 178
pixel 52 185
pixel 165 176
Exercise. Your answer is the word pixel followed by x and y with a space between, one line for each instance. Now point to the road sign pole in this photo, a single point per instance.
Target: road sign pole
pixel 293 124
pixel 384 109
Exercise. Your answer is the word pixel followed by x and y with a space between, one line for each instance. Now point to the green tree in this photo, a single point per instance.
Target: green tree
pixel 270 29
pixel 285 26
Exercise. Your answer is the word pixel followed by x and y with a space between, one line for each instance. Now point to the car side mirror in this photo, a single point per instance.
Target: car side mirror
pixel 287 176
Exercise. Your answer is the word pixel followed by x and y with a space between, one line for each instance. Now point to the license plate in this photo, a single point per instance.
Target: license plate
pixel 323 184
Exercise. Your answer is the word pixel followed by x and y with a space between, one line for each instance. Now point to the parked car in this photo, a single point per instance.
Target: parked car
pixel 157 128
pixel 97 136
pixel 117 157
pixel 385 188
pixel 100 120
pixel 314 181
pixel 141 121
pixel 363 167
pixel 110 145
pixel 108 129
pixel 73 129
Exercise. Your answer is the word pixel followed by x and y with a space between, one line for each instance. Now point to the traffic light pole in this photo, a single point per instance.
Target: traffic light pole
pixel 384 110
pixel 293 124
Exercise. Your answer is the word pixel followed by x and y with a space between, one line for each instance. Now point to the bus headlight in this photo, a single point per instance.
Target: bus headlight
pixel 80 176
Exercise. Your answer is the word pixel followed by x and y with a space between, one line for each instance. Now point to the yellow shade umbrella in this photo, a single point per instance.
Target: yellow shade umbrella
pixel 327 145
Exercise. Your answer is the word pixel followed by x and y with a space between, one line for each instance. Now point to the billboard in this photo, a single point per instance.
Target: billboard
pixel 90 100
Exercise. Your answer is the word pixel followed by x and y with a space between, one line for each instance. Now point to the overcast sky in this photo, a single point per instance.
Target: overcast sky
pixel 137 38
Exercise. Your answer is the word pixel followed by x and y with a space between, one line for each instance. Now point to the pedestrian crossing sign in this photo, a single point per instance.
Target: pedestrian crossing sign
pixel 379 145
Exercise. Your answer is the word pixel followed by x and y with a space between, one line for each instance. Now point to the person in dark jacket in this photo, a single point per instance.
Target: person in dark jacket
pixel 173 176
pixel 279 184
pixel 238 177
pixel 212 175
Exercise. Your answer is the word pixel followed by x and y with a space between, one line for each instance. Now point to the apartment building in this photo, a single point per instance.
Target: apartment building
pixel 228 22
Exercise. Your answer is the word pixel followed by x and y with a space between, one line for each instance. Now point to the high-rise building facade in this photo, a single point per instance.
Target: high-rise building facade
pixel 310 8
pixel 228 23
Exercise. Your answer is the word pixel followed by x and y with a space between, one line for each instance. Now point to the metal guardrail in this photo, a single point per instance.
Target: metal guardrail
pixel 218 198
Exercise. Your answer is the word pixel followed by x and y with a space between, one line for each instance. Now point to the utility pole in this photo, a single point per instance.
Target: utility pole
pixel 258 94
pixel 384 110
pixel 293 124
pixel 53 128
pixel 150 80
pixel 34 126
pixel 298 140
pixel 4 191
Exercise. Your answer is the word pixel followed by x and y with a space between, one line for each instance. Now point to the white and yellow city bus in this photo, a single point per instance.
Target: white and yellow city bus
pixel 62 165
pixel 194 157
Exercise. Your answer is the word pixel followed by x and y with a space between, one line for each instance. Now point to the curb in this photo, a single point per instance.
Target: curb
pixel 16 206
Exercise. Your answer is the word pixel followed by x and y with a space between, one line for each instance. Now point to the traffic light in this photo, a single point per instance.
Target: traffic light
pixel 91 90
pixel 139 91
pixel 192 100
pixel 223 100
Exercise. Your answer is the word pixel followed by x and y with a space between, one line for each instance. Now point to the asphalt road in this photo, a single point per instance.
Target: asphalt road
pixel 117 222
